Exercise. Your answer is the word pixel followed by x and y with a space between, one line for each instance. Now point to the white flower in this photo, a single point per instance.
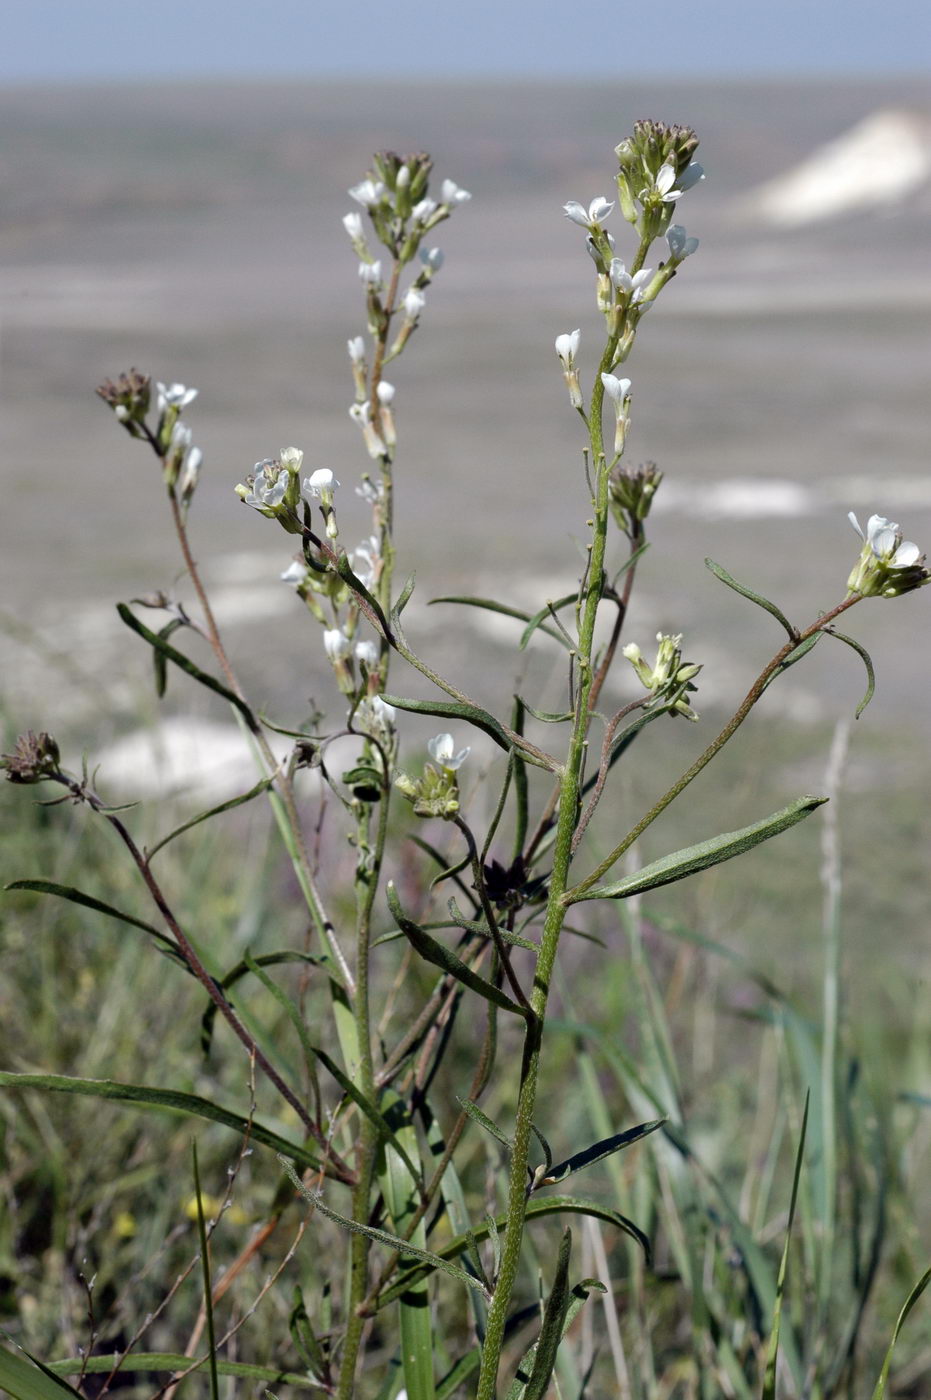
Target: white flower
pixel 616 389
pixel 291 458
pixel 442 751
pixel 269 485
pixel 370 273
pixel 452 194
pixel 599 209
pixel 366 561
pixel 336 644
pixel 886 542
pixel 567 347
pixel 413 303
pixel 888 565
pixel 367 192
pixel 371 491
pixel 352 223
pixel 385 392
pixel 356 348
pixel 668 188
pixel 366 653
pixel 679 245
pixel 321 484
pixel 296 572
pixel 376 717
pixel 174 396
pixel 424 210
pixel 432 258
pixel 630 286
pixel 190 471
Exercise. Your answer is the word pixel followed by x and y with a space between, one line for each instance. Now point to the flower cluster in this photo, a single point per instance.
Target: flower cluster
pixel 669 678
pixel 631 491
pixel 656 169
pixel 130 396
pixel 436 792
pixel 888 564
pixel 35 757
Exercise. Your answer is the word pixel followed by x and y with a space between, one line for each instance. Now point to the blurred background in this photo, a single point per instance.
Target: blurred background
pixel 173 187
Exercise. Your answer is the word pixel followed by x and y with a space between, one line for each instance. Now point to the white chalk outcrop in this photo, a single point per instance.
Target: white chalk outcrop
pixel 881 162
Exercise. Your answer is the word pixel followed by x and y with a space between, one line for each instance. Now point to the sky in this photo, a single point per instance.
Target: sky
pixel 89 40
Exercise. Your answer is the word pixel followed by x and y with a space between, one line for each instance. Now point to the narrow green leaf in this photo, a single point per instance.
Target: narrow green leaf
pixel 185 664
pixel 772 1354
pixel 25 1378
pixel 867 661
pixel 304 1338
pixel 158 657
pixel 794 656
pixel 548 716
pixel 481 930
pixel 440 956
pixel 372 605
pixel 547 1152
pixel 376 1118
pixel 598 1150
pixel 260 787
pixel 89 902
pixel 399 1184
pixel 540 617
pixel 746 592
pixel 455 709
pixel 910 1301
pixel 456 1212
pixel 208 1283
pixel 483 1121
pixel 577 1299
pixel 537 1206
pixel 702 856
pixel 393 1242
pixel 490 605
pixel 551 1331
pixel 520 785
pixel 403 598
pixel 158 1361
pixel 163 1100
pixel 242 969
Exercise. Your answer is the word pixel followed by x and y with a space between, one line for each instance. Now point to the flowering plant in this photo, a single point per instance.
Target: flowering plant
pixel 377 1155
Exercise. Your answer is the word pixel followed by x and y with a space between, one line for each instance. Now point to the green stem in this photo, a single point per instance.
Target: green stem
pixel 569 793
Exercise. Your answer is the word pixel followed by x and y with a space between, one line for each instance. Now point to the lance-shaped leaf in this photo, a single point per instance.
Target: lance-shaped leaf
pixel 304 1338
pixel 551 1331
pixel 539 618
pixel 394 1242
pixel 772 1354
pixel 242 969
pixel 165 1100
pixel 867 661
pixel 159 660
pixel 26 1378
pixel 578 1296
pixel 490 605
pixel 598 1150
pixel 757 598
pixel 483 1121
pixel 88 901
pixel 691 859
pixel 455 709
pixel 261 786
pixel 440 956
pixel 536 1207
pixel 184 663
pixel 910 1301
pixel 794 656
pixel 142 1362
